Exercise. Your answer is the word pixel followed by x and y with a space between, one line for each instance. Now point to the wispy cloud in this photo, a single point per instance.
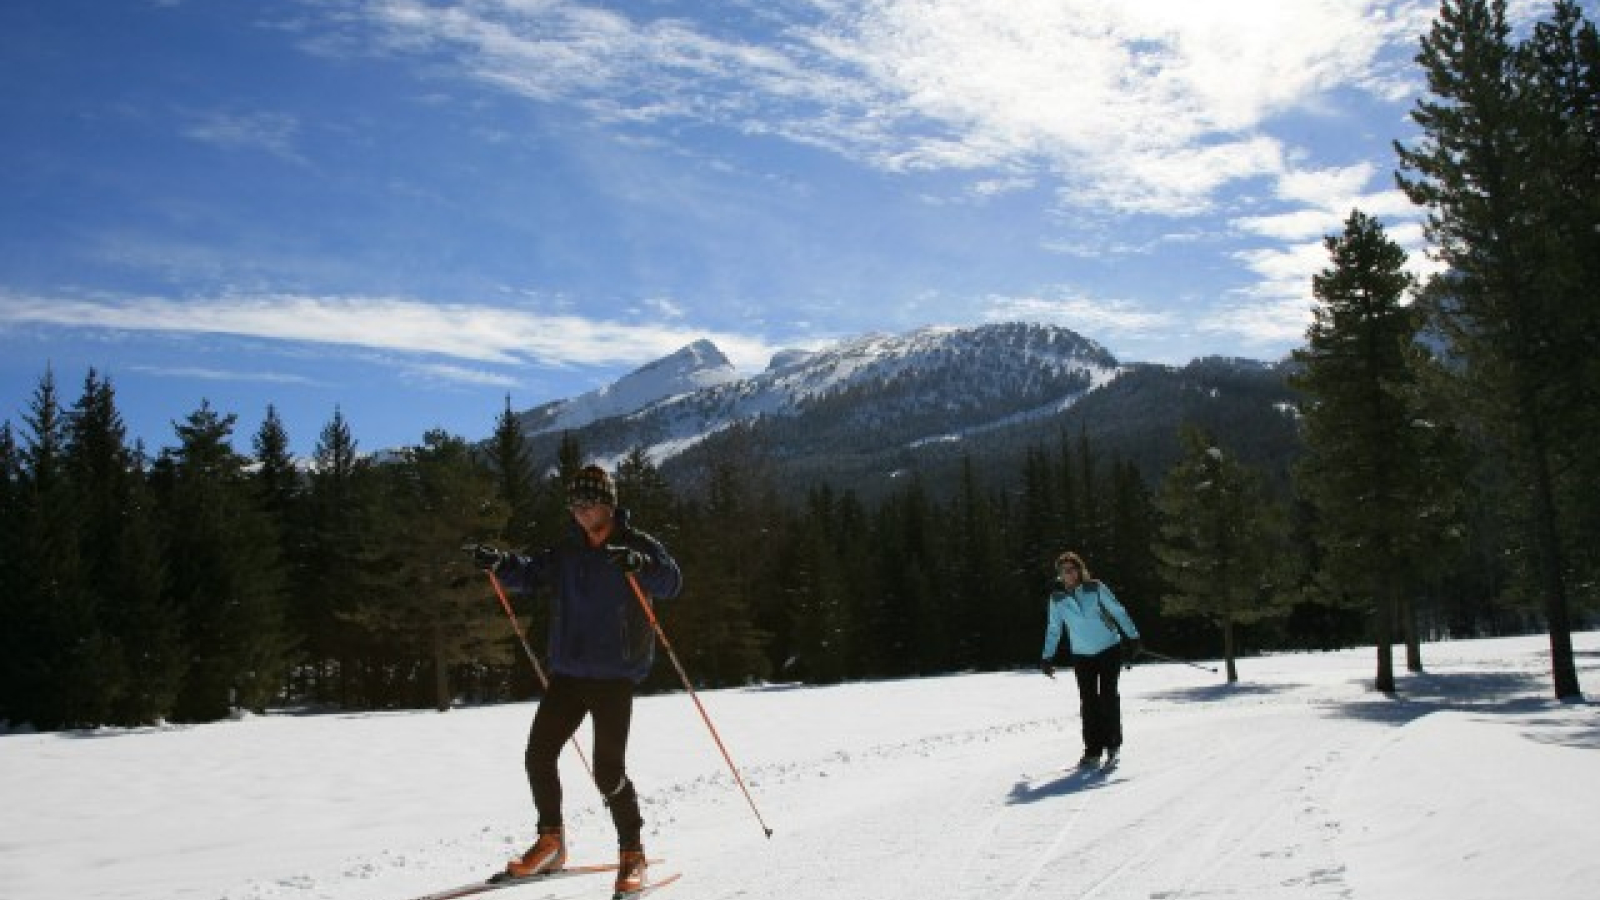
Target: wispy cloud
pixel 1120 318
pixel 1154 108
pixel 268 132
pixel 1276 307
pixel 464 375
pixel 1148 106
pixel 195 373
pixel 457 331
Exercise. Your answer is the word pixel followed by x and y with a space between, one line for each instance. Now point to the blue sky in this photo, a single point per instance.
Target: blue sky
pixel 409 210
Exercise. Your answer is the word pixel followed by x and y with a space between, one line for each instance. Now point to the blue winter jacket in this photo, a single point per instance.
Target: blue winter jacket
pixel 1086 613
pixel 597 627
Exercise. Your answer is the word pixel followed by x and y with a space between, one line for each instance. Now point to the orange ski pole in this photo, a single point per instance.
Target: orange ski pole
pixel 655 623
pixel 538 670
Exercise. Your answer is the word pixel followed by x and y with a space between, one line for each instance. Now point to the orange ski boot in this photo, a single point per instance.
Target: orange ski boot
pixel 548 854
pixel 631 867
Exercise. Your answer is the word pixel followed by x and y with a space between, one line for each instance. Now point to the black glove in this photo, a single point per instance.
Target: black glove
pixel 1131 649
pixel 487 558
pixel 1047 667
pixel 625 558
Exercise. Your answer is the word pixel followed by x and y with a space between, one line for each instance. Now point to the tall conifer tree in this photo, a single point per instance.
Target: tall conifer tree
pixel 224 572
pixel 338 548
pixel 512 462
pixel 1362 470
pixel 1486 134
pixel 1217 549
pixel 426 605
pixel 12 598
pixel 135 664
pixel 54 632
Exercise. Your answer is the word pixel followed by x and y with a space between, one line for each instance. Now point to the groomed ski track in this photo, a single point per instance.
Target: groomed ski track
pixel 1297 782
pixel 1198 807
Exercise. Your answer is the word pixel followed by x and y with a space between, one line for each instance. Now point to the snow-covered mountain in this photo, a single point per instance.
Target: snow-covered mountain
pixel 867 410
pixel 697 366
pixel 878 389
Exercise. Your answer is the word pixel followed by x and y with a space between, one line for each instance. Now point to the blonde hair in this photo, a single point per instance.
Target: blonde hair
pixel 1083 567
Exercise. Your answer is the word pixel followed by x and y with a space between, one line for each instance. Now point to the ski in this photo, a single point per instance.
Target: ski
pixel 502 880
pixel 648 889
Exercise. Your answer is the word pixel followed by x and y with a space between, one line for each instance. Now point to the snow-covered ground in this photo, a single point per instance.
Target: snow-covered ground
pixel 1297 782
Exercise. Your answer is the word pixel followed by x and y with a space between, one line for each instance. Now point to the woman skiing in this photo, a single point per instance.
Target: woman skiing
pixel 1095 625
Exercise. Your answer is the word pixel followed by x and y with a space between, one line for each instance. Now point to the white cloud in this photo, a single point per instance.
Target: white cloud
pixel 203 374
pixel 464 375
pixel 1275 324
pixel 1144 106
pixel 272 133
pixel 457 331
pixel 1081 313
pixel 1277 307
pixel 665 307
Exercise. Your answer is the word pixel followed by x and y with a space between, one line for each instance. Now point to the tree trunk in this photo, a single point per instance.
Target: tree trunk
pixel 1383 635
pixel 1227 651
pixel 441 671
pixel 1552 582
pixel 1408 628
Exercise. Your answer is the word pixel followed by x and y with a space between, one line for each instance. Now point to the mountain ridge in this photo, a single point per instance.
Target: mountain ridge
pixel 868 409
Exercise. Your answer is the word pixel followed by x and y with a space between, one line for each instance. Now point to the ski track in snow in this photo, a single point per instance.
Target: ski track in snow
pixel 1297 782
pixel 1195 810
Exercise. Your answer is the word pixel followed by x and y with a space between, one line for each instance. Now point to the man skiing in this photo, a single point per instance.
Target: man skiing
pixel 601 645
pixel 1095 624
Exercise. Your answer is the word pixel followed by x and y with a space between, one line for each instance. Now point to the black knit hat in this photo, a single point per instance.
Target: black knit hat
pixel 592 484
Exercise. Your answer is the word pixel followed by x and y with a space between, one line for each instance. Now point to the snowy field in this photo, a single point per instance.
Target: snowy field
pixel 1297 782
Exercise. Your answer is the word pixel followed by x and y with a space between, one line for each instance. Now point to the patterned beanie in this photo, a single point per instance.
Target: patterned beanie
pixel 592 483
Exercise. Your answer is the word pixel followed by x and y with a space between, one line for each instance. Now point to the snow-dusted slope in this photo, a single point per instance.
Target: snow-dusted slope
pixel 903 388
pixel 698 366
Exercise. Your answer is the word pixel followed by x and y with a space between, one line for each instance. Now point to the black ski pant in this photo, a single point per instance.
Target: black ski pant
pixel 610 703
pixel 1099 704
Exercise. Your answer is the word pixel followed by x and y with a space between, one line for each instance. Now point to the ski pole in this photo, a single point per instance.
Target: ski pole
pixel 1143 651
pixel 538 670
pixel 650 613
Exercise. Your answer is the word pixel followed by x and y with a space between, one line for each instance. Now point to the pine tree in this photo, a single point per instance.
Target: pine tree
pixel 728 563
pixel 1562 62
pixel 512 462
pixel 1493 221
pixel 1217 546
pixel 1131 530
pixel 918 625
pixel 815 638
pixel 147 619
pixel 1073 533
pixel 1039 516
pixel 12 588
pixel 1362 466
pixel 994 610
pixel 134 663
pixel 430 609
pixel 645 492
pixel 281 491
pixel 334 562
pixel 224 572
pixel 52 629
pixel 277 479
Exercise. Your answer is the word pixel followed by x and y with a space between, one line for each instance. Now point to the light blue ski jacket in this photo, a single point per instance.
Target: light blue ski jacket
pixel 1086 615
